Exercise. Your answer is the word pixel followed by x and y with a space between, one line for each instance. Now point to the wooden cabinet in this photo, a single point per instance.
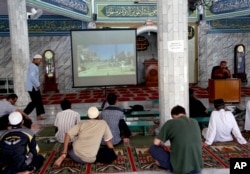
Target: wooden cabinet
pixel 151 72
pixel 226 89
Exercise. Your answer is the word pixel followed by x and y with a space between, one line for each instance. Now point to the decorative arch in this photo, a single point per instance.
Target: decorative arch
pixel 147 28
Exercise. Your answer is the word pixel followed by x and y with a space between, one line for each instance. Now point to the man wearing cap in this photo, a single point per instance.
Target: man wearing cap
pixel 19 150
pixel 222 125
pixel 33 88
pixel 86 148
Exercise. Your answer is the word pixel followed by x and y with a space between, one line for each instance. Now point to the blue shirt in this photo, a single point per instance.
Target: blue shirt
pixel 112 115
pixel 32 77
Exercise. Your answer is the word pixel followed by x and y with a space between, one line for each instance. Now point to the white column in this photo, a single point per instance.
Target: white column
pixel 172 56
pixel 19 47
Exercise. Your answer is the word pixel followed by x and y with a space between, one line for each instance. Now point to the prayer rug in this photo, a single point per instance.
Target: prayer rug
pixel 134 159
pixel 218 155
pixel 131 159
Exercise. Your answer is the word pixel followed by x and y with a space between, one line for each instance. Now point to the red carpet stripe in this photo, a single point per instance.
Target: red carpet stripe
pixel 45 166
pixel 88 169
pixel 245 147
pixel 216 157
pixel 131 159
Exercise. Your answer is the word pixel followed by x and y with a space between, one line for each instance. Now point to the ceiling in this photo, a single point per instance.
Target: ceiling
pixel 4 9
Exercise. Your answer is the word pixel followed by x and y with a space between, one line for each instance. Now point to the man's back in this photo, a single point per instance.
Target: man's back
pixel 15 144
pixel 64 121
pixel 221 126
pixel 112 115
pixel 196 108
pixel 185 137
pixel 90 133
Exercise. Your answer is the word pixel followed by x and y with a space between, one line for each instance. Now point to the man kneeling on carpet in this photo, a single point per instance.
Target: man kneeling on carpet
pixel 86 148
pixel 185 153
pixel 222 125
pixel 19 150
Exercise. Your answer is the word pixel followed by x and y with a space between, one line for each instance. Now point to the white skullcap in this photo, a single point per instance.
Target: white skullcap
pixel 93 112
pixel 15 118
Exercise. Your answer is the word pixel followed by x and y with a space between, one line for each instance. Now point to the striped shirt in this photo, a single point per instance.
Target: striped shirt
pixel 64 121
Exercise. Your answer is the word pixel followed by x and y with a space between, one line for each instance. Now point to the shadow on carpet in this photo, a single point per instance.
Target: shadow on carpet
pixel 137 158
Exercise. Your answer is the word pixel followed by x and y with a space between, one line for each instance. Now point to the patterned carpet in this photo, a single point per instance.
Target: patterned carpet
pixel 139 159
pixel 134 159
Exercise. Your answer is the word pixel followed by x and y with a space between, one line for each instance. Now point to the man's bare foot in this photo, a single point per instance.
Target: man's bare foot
pixel 59 160
pixel 39 117
pixel 36 126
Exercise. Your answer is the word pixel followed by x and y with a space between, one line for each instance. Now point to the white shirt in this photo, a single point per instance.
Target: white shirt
pixel 64 121
pixel 32 77
pixel 247 118
pixel 222 125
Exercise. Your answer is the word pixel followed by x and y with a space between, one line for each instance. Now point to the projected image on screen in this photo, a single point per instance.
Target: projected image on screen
pixel 106 60
pixel 104 57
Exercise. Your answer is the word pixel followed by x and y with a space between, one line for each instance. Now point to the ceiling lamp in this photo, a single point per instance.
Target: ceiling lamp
pixel 193 4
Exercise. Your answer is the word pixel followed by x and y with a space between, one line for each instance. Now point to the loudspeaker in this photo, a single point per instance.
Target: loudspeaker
pixel 94 16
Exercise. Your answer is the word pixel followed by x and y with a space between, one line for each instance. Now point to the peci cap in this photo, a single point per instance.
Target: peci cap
pixel 93 112
pixel 37 56
pixel 15 118
pixel 218 103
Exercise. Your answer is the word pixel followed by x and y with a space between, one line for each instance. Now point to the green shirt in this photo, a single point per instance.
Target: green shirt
pixel 186 144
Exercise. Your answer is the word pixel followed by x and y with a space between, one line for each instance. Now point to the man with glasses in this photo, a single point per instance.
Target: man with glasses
pixel 7 106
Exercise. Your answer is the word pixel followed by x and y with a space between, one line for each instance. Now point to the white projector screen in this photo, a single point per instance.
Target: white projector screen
pixel 104 57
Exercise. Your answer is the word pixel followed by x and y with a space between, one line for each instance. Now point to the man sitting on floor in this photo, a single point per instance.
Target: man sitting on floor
pixel 19 150
pixel 222 125
pixel 86 148
pixel 65 120
pixel 7 106
pixel 185 153
pixel 114 116
pixel 196 107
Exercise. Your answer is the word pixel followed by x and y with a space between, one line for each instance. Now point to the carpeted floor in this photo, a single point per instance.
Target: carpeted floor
pixel 137 158
pixel 93 95
pixel 124 93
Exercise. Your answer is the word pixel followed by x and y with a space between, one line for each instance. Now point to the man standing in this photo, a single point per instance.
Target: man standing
pixel 185 153
pixel 65 120
pixel 33 88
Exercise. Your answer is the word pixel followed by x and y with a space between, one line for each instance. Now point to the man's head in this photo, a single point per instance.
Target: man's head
pixel 111 98
pixel 65 104
pixel 219 104
pixel 37 59
pixel 93 112
pixel 177 111
pixel 12 98
pixel 15 118
pixel 223 64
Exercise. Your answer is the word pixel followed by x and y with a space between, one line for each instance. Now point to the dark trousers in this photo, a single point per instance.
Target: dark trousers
pixel 104 155
pixel 124 129
pixel 4 122
pixel 8 166
pixel 36 102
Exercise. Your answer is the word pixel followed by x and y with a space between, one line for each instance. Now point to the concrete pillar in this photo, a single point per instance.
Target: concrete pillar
pixel 19 47
pixel 172 56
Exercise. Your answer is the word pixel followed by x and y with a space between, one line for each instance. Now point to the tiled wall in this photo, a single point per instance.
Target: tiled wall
pixel 214 47
pixel 61 45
